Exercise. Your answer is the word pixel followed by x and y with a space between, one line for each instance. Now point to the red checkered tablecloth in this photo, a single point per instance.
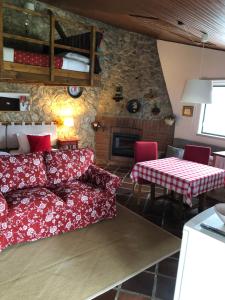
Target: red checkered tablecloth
pixel 184 177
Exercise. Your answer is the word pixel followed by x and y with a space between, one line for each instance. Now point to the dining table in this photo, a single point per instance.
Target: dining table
pixel 187 178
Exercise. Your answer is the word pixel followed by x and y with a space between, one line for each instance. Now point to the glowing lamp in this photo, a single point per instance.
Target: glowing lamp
pixel 68 122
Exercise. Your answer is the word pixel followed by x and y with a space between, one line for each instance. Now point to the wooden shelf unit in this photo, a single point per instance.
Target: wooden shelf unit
pixel 16 72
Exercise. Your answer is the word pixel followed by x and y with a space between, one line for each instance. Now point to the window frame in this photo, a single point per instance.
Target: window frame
pixel 203 112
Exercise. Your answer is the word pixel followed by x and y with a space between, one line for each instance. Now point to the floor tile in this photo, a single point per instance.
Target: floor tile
pixel 128 296
pixel 125 169
pixel 168 267
pixel 123 191
pixel 176 232
pixel 120 174
pixel 110 295
pixel 141 283
pixel 127 185
pixel 111 168
pixel 176 255
pixel 151 269
pixel 157 208
pixel 154 219
pixel 217 195
pixel 165 287
pixel 128 179
pixel 164 213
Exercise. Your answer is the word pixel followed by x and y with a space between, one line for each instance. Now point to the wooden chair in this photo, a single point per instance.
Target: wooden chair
pixel 197 154
pixel 144 151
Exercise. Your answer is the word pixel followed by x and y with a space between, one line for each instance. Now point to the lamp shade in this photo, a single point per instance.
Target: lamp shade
pixel 68 122
pixel 197 91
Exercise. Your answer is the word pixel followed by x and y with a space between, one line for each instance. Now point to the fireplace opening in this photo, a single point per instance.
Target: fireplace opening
pixel 123 144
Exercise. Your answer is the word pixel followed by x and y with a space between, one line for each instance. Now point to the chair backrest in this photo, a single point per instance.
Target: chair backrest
pixel 144 150
pixel 197 154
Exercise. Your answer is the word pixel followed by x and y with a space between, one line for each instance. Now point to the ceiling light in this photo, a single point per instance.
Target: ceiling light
pixel 197 91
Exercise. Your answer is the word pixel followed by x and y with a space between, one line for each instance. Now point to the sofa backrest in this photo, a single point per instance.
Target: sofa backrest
pixel 22 171
pixel 67 165
pixel 180 143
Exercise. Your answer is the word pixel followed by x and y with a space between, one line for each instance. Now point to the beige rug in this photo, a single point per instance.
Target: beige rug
pixel 85 263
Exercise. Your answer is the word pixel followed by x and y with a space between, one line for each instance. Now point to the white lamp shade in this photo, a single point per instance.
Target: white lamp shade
pixel 197 91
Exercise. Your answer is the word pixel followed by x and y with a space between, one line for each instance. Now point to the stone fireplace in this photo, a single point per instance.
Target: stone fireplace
pixel 114 143
pixel 123 144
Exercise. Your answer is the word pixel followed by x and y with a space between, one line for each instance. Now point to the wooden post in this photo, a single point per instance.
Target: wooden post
pixel 1 38
pixel 52 46
pixel 92 54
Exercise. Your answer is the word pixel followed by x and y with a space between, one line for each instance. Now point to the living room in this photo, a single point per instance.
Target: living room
pixel 86 82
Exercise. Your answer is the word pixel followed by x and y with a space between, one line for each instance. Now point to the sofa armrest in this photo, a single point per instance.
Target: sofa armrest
pixel 102 178
pixel 3 208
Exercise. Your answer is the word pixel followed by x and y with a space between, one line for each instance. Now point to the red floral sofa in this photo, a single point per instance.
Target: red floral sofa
pixel 45 194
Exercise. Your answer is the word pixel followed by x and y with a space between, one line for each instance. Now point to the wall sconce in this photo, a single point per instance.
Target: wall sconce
pixel 96 125
pixel 118 94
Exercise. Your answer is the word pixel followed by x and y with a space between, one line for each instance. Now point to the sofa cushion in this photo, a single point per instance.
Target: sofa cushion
pixel 85 203
pixel 33 213
pixel 174 152
pixel 66 165
pixel 22 200
pixel 22 171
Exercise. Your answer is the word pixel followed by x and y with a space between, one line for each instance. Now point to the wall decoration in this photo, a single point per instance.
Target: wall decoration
pixel 133 106
pixel 151 95
pixel 170 120
pixel 14 102
pixel 96 125
pixel 187 111
pixel 118 94
pixel 155 110
pixel 24 103
pixel 75 91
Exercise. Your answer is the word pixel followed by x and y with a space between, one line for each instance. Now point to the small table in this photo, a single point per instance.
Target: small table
pixel 184 177
pixel 70 143
pixel 219 159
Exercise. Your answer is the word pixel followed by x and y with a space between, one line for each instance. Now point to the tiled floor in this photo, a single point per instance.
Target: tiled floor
pixel 157 282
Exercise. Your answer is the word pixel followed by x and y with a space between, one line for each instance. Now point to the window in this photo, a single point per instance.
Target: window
pixel 213 115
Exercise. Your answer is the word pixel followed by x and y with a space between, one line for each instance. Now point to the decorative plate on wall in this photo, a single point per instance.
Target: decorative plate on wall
pixel 133 106
pixel 75 91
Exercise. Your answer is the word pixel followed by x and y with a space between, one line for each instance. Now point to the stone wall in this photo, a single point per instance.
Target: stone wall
pixel 130 60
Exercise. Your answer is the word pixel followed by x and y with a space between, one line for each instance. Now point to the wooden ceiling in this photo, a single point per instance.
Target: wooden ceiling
pixel 158 18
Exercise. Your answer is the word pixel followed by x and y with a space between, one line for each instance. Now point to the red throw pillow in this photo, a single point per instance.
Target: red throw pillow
pixel 39 143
